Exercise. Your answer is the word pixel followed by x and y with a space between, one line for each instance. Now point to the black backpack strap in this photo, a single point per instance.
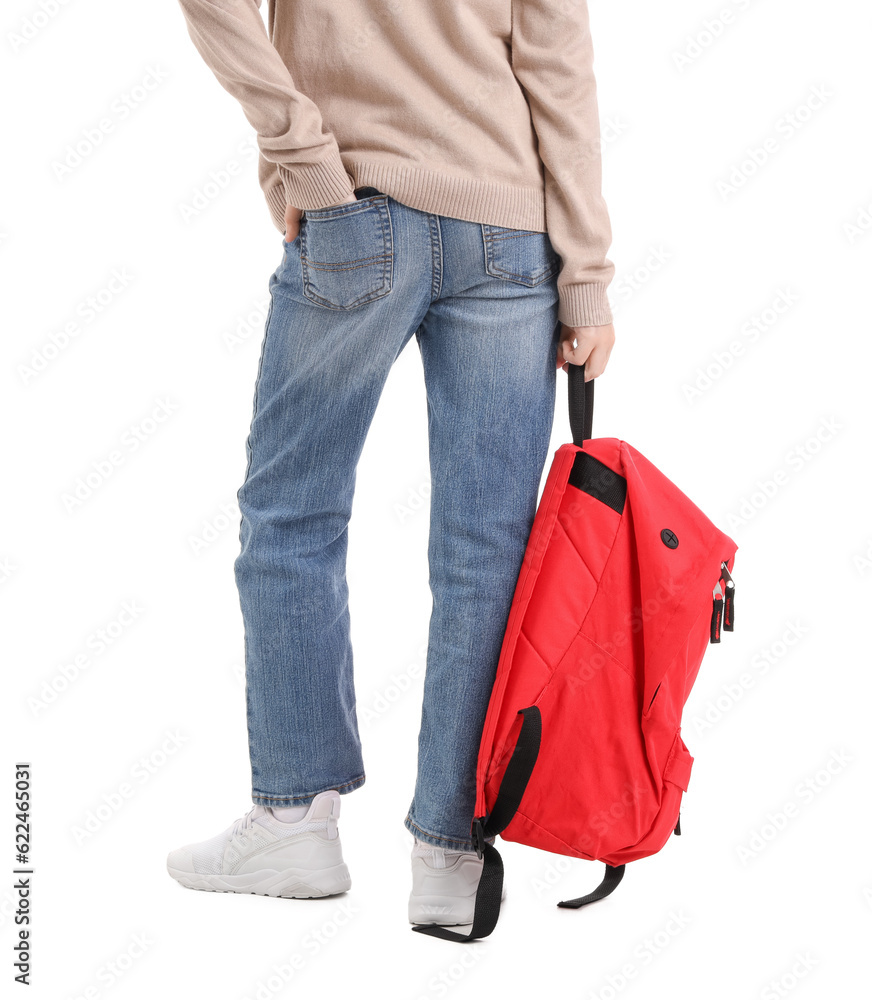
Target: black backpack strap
pixel 580 404
pixel 610 881
pixel 514 783
pixel 490 886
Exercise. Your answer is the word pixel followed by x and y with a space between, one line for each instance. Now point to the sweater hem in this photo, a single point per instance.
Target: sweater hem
pixel 463 198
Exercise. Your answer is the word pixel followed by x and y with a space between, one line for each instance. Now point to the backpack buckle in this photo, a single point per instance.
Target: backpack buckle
pixel 478 835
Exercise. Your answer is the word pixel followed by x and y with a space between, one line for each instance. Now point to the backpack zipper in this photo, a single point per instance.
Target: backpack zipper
pixel 729 597
pixel 723 605
pixel 717 610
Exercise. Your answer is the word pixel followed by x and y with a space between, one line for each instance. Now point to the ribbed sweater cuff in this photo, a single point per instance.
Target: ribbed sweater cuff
pixel 584 305
pixel 312 185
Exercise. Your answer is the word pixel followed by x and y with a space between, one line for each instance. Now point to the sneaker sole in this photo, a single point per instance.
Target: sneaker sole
pixel 440 910
pixel 287 884
pixel 443 910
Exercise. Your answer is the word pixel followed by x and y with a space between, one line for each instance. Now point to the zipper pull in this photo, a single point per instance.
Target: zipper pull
pixel 717 611
pixel 729 598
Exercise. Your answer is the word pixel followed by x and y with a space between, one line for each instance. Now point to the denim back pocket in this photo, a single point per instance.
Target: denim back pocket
pixel 347 253
pixel 519 255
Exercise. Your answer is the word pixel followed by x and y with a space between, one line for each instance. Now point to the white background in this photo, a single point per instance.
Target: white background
pixel 696 265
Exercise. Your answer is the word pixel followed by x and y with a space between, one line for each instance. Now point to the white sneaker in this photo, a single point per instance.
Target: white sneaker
pixel 261 855
pixel 444 884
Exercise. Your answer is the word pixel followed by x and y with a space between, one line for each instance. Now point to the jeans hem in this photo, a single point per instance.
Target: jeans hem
pixel 436 840
pixel 262 799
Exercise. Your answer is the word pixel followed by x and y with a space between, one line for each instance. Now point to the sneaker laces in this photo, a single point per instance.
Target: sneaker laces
pixel 243 823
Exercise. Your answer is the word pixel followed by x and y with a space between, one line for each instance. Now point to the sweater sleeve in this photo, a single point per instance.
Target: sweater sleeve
pixel 552 59
pixel 232 39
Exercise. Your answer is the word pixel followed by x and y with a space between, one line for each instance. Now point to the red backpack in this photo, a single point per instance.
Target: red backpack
pixel 624 584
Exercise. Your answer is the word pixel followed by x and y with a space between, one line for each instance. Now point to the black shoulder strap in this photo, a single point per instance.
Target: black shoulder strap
pixel 490 886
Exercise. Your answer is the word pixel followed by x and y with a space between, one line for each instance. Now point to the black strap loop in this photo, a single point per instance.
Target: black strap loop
pixel 487 902
pixel 580 404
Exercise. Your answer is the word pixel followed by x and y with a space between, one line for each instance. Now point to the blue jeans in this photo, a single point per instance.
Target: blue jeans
pixel 357 282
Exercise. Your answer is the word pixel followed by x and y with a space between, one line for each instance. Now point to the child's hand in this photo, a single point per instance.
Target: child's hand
pixel 594 347
pixel 292 218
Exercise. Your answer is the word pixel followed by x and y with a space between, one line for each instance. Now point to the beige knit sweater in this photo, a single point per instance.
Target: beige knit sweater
pixel 483 110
